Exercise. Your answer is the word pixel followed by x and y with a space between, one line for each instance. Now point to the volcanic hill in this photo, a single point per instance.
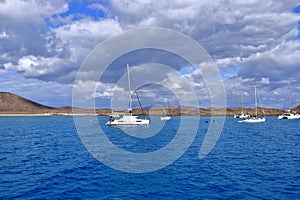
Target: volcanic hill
pixel 14 104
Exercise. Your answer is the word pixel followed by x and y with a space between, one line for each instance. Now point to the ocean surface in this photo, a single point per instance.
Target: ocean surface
pixel 45 158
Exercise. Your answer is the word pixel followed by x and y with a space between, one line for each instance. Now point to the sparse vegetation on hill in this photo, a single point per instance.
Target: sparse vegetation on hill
pixel 13 104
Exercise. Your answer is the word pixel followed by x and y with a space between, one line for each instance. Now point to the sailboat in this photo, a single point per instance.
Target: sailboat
pixel 127 118
pixel 254 119
pixel 289 114
pixel 241 114
pixel 167 116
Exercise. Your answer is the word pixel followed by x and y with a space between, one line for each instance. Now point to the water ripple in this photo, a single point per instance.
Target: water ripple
pixel 43 158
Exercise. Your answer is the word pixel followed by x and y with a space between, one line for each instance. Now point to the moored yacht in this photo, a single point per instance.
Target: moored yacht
pixel 289 115
pixel 126 118
pixel 241 114
pixel 167 116
pixel 255 118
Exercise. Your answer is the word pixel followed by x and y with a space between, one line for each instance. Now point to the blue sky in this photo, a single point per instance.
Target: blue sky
pixel 252 43
pixel 77 10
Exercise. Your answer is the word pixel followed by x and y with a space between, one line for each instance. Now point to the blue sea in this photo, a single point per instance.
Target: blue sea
pixel 44 157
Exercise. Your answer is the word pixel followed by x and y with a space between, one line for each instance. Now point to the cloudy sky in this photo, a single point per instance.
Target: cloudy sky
pixel 253 43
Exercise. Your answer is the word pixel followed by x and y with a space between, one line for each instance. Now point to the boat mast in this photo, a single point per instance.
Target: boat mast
pixel 242 101
pixel 295 103
pixel 289 93
pixel 255 101
pixel 167 106
pixel 129 90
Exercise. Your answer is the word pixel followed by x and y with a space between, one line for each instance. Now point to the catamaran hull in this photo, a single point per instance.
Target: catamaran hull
pixel 127 120
pixel 288 116
pixel 115 123
pixel 258 120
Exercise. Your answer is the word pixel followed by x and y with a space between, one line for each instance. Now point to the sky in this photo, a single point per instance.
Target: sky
pixel 253 43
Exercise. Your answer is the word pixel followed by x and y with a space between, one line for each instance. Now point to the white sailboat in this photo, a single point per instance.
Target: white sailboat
pixel 241 114
pixel 167 116
pixel 127 118
pixel 255 118
pixel 289 114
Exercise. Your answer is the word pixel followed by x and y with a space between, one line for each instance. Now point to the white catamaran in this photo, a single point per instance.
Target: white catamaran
pixel 255 118
pixel 127 118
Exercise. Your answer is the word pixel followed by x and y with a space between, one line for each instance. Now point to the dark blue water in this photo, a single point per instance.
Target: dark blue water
pixel 44 158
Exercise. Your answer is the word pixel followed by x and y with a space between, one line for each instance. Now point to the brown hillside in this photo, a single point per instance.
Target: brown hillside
pixel 11 103
pixel 297 108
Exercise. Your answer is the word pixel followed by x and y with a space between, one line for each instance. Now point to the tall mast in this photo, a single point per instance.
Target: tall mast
pixel 289 93
pixel 167 106
pixel 255 101
pixel 295 102
pixel 129 90
pixel 242 101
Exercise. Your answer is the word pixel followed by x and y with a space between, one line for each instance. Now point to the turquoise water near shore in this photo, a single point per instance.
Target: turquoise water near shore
pixel 43 158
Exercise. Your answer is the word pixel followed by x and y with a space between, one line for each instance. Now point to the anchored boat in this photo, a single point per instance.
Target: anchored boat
pixel 127 118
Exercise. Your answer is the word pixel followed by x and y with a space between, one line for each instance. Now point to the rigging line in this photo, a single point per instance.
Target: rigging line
pixel 137 96
pixel 259 99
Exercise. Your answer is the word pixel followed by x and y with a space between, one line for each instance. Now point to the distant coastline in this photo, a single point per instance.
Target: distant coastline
pixel 13 105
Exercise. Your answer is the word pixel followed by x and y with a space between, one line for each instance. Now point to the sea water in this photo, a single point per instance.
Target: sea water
pixel 43 157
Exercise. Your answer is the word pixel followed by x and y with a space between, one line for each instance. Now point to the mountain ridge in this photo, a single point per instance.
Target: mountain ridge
pixel 13 104
pixel 10 102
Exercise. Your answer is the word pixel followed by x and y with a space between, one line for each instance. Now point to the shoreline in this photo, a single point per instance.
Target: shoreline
pixel 46 114
pixel 69 111
pixel 93 114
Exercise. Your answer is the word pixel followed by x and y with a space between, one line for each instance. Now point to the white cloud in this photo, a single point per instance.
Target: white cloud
pixel 89 30
pixel 45 92
pixel 33 66
pixel 278 63
pixel 4 35
pixel 31 10
pixel 26 33
pixel 82 36
pixel 98 6
pixel 185 13
pixel 257 35
pixel 265 81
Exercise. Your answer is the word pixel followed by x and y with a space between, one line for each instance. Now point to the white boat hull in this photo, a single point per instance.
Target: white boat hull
pixel 127 120
pixel 241 116
pixel 254 120
pixel 165 117
pixel 289 116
